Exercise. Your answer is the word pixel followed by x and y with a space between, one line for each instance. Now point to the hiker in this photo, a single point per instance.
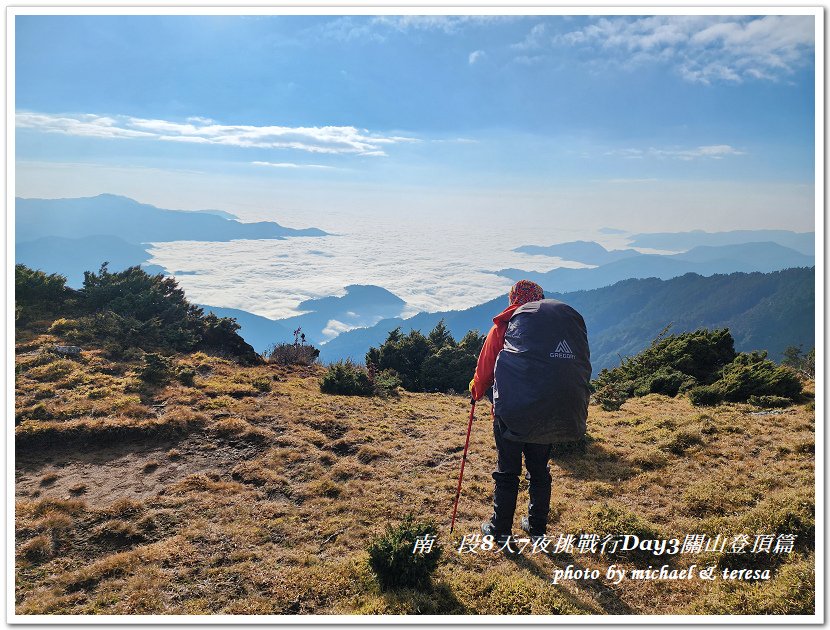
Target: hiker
pixel 540 396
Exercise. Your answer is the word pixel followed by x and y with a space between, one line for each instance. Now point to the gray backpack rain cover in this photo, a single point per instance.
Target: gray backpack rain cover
pixel 542 374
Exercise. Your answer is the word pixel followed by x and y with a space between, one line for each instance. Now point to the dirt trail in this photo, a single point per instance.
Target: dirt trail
pixel 138 469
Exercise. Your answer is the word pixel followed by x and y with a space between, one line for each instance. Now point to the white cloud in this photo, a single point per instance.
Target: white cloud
pixel 630 154
pixel 703 49
pixel 378 29
pixel 476 55
pixel 712 151
pixel 328 140
pixel 538 37
pixel 292 165
pixel 715 151
pixel 334 328
pixel 449 24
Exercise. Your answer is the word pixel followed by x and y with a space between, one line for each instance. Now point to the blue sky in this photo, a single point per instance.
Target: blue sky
pixel 641 122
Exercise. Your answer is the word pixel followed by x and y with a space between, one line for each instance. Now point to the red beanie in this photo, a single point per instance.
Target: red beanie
pixel 525 291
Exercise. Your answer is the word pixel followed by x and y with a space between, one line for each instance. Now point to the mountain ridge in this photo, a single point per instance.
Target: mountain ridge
pixel 767 311
pixel 135 222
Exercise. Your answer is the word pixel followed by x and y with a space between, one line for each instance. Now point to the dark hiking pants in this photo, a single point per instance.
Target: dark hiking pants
pixel 506 476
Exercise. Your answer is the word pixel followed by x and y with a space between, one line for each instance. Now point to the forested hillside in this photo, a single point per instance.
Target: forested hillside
pixel 764 311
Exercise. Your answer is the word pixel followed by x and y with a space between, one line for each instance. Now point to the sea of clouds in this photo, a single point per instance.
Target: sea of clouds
pixel 431 266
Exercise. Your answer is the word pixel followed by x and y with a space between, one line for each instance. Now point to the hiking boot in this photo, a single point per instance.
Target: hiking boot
pixel 525 525
pixel 488 529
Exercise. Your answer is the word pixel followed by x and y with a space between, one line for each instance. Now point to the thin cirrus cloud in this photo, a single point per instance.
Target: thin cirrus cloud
pixel 712 151
pixel 380 28
pixel 323 140
pixel 701 49
pixel 292 165
pixel 476 56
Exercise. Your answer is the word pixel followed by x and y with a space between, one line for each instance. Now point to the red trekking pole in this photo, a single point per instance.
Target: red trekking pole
pixel 463 459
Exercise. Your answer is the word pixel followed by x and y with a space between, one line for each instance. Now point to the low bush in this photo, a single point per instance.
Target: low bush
pixel 393 561
pixel 155 369
pixel 118 532
pixel 348 379
pixel 186 376
pixel 770 402
pixel 125 309
pixel 750 376
pixel 610 397
pixel 705 396
pixel 62 325
pixel 37 294
pixel 386 383
pixel 262 383
pixel 292 354
pixel 702 363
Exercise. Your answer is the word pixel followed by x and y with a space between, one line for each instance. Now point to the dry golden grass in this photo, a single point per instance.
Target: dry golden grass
pixel 262 500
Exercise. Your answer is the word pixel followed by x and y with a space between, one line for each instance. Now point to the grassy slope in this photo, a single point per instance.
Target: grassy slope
pixel 222 498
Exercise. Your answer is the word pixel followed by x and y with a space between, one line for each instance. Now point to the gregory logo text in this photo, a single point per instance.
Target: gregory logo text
pixel 563 351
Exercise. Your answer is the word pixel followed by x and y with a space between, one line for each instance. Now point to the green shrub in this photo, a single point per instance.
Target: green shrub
pixel 753 374
pixel 262 383
pixel 650 459
pixel 186 376
pixel 715 497
pixel 750 375
pixel 610 397
pixel 405 355
pixel 770 402
pixel 428 363
pixel 392 560
pixel 705 396
pixel 386 383
pixel 575 447
pixel 448 369
pixel 155 369
pixel 668 381
pixel 37 294
pixel 61 326
pixel 671 364
pixel 348 379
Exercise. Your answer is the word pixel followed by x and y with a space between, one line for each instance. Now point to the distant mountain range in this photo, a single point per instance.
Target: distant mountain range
pixel 586 252
pixel 135 222
pixel 70 236
pixel 703 260
pixel 362 306
pixel 803 242
pixel 768 311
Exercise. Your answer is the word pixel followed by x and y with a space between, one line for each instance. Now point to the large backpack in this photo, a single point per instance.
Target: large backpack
pixel 542 374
